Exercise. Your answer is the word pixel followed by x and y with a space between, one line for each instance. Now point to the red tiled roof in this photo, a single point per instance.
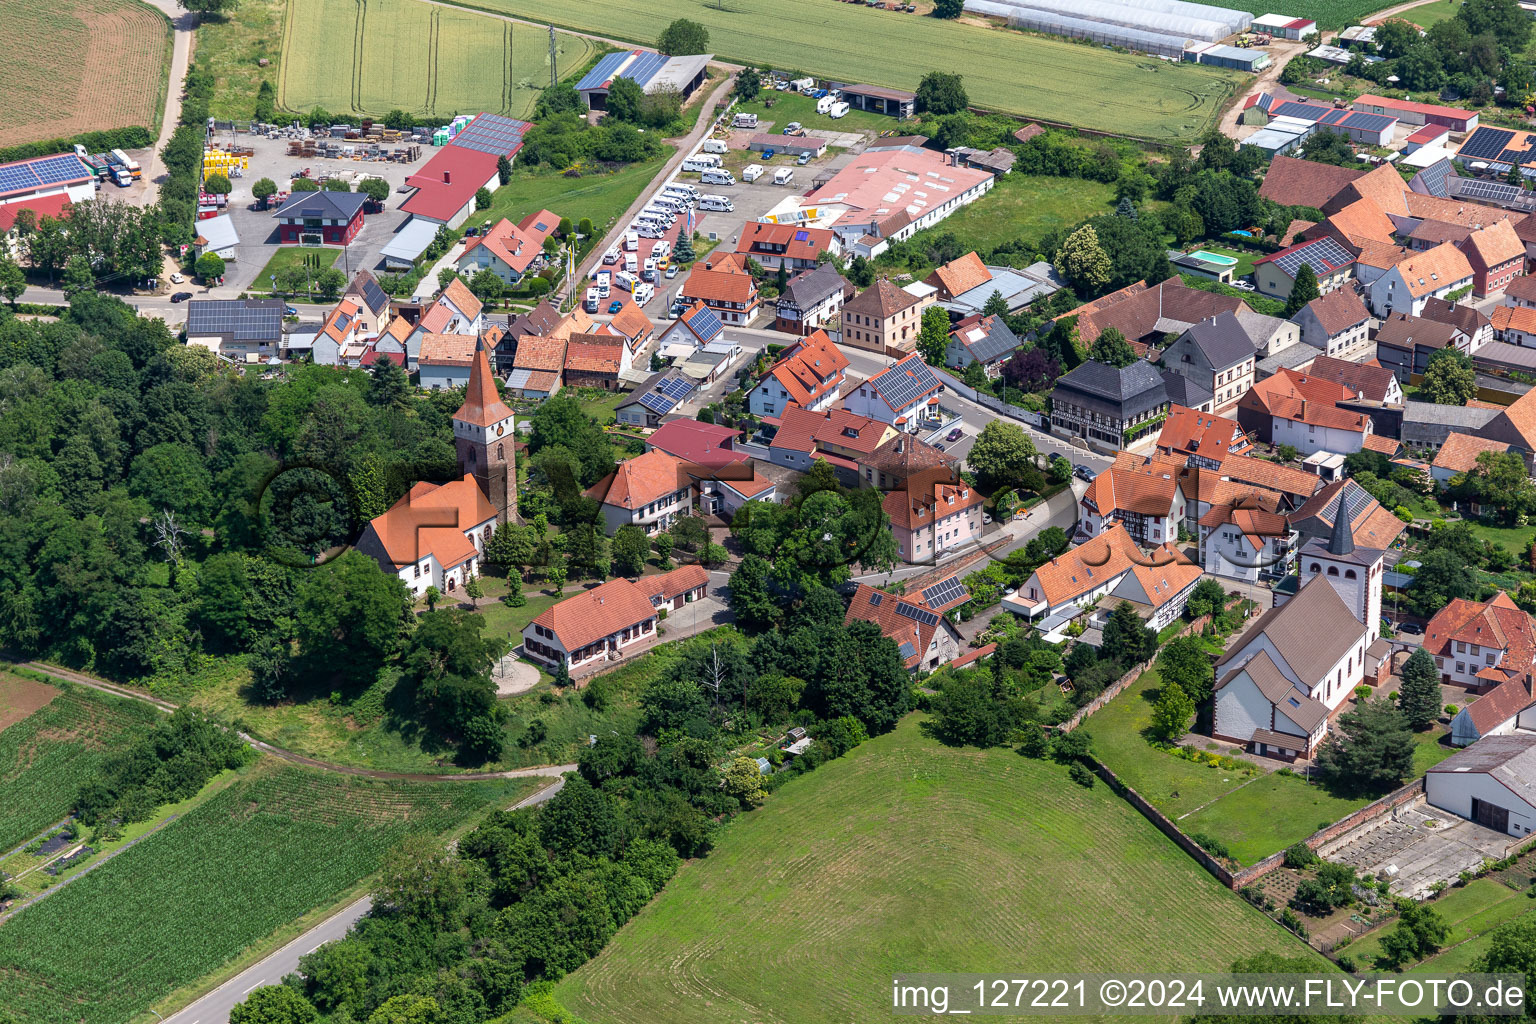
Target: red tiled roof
pixel 960 275
pixel 1460 451
pixel 790 241
pixel 703 443
pixel 922 500
pixel 1189 432
pixel 1520 318
pixel 639 481
pixel 586 353
pixel 665 586
pixel 871 605
pixel 1338 311
pixel 430 519
pixel 535 353
pixel 1303 398
pixel 510 244
pixel 810 368
pixel 881 300
pixel 719 286
pixel 1294 182
pixel 1088 566
pixel 1147 489
pixel 801 430
pixel 1371 382
pixel 631 322
pixel 448 349
pixel 54 206
pixel 597 613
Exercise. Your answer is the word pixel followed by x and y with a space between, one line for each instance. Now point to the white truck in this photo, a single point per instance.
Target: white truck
pixel 752 172
pixel 803 85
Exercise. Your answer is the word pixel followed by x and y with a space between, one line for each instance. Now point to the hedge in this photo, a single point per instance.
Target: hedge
pixel 94 142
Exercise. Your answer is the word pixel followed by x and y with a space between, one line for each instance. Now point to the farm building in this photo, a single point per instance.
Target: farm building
pixel 890 194
pixel 653 72
pixel 895 102
pixel 1282 26
pixel 1371 129
pixel 1490 782
pixel 446 185
pixel 1219 55
pixel 46 176
pixel 320 218
pixel 1409 112
pixel 1280 136
pixel 1162 28
pixel 789 145
pixel 1340 56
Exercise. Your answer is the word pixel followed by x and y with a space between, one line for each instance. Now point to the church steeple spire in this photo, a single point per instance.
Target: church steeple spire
pixel 483 437
pixel 1342 541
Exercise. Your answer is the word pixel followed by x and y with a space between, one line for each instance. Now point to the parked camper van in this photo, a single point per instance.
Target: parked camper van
pixel 744 121
pixel 784 176
pixel 804 85
pixel 752 172
pixel 715 146
pixel 648 272
pixel 631 241
pixel 591 304
pixel 719 204
pixel 824 104
pixel 701 162
pixel 611 257
pixel 718 176
pixel 837 110
pixel 644 293
pixel 604 283
pixel 625 280
pixel 678 188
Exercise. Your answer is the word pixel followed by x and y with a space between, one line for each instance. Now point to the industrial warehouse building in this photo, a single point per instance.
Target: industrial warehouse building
pixel 652 72
pixel 445 186
pixel 1163 27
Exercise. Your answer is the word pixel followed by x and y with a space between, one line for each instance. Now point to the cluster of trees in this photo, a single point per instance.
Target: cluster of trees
pixel 171 762
pixel 1450 378
pixel 566 138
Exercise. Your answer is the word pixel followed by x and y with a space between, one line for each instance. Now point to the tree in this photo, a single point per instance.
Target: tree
pixel 1420 931
pixel 1172 712
pixel 1083 261
pixel 304 185
pixel 753 604
pixel 683 37
pixel 264 189
pixel 1128 639
pixel 948 8
pixel 1511 949
pixel 13 282
pixel 555 577
pixel 1185 664
pixel 351 616
pixel 376 189
pixel 78 277
pixel 422 882
pixel 940 92
pixel 503 169
pixel 630 547
pixel 1441 577
pixel 272 1004
pixel 861 273
pixel 1499 481
pixel 1450 379
pixel 389 387
pixel 933 335
pixel 1112 349
pixel 1395 37
pixel 1003 456
pixel 1371 750
pixel 487 286
pixel 329 283
pixel 1303 290
pixel 336 185
pixel 1419 698
pixel 626 100
pixel 482 198
pixel 972 710
pixel 1504 20
pixel 408 1009
pixel 210 267
pixel 742 779
pixel 217 184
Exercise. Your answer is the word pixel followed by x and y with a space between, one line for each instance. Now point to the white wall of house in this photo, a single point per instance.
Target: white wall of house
pixel 1390 294
pixel 653 517
pixel 544 646
pixel 1226 551
pixel 1464 661
pixel 1240 709
pixel 442 378
pixel 1309 437
pixel 1454 791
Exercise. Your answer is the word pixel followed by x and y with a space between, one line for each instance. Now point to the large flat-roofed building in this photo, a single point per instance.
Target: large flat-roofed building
pixel 893 193
pixel 653 72
pixel 46 176
pixel 895 102
pixel 446 184
pixel 1410 112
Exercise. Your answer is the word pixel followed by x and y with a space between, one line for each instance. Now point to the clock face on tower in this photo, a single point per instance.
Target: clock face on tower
pixel 500 429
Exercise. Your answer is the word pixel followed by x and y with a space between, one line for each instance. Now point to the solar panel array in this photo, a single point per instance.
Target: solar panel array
pixel 1305 111
pixel 922 615
pixel 1322 256
pixel 658 403
pixel 675 387
pixel 234 317
pixel 1434 176
pixel 1369 122
pixel 905 382
pixel 906 650
pixel 492 133
pixel 1355 500
pixel 705 323
pixel 1497 191
pixel 875 599
pixel 1486 144
pixel 943 592
pixel 48 170
pixel 373 295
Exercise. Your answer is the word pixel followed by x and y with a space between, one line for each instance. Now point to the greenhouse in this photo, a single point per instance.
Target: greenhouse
pixel 1153 26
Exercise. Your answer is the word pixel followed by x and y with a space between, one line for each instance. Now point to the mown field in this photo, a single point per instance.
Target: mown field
pixel 45 756
pixel 277 843
pixel 906 855
pixel 1004 70
pixel 374 56
pixel 78 66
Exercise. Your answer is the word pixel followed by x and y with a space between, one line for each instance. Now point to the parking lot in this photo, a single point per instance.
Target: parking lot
pixel 257 228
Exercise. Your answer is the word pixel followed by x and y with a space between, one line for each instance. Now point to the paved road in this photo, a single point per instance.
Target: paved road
pixel 214 1007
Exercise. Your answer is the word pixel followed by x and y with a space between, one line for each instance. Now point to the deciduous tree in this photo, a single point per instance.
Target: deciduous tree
pixel 1450 379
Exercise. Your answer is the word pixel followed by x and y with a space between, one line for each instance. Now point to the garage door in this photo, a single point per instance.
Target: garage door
pixel 1490 815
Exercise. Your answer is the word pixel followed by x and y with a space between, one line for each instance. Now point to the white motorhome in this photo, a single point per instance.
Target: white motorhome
pixel 718 176
pixel 752 172
pixel 644 293
pixel 720 204
pixel 604 283
pixel 591 304
pixel 701 162
pixel 715 146
pixel 805 85
pixel 783 176
pixel 837 110
pixel 631 241
pixel 625 280
pixel 744 121
pixel 824 104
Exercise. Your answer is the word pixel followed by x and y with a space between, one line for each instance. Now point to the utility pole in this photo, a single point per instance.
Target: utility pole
pixel 553 74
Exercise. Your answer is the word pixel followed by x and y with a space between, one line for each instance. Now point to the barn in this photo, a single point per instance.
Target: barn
pixel 1492 782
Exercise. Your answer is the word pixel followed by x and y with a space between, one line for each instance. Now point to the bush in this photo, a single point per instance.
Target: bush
pixel 1211 845
pixel 1080 774
pixel 1291 922
pixel 1300 856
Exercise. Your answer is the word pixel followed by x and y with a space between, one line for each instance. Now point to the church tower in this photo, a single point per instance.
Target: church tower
pixel 482 437
pixel 1354 572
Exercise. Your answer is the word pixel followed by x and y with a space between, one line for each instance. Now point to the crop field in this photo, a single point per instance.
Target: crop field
pixel 1004 70
pixel 277 843
pixel 415 56
pixel 47 755
pixel 1329 14
pixel 76 66
pixel 906 855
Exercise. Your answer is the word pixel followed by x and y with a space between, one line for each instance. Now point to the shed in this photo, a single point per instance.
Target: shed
pixel 791 145
pixel 409 243
pixel 895 102
pixel 217 235
pixel 1492 782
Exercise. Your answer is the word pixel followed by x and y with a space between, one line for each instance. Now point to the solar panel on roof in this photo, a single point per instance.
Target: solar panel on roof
pixel 875 599
pixel 906 650
pixel 1433 178
pixel 1497 191
pixel 801 236
pixel 374 296
pixel 235 318
pixel 674 387
pixel 657 403
pixel 904 384
pixel 944 592
pixel 922 615
pixel 705 323
pixel 1322 256
pixel 1486 143
pixel 491 133
pixel 1305 111
pixel 1369 122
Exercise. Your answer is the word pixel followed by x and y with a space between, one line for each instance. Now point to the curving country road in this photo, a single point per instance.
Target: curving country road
pixel 214 1007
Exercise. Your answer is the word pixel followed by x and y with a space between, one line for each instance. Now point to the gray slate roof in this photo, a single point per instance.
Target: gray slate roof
pixel 1185 391
pixel 1133 388
pixel 1288 358
pixel 996 340
pixel 1312 631
pixel 809 287
pixel 1452 415
pixel 1222 340
pixel 1258 327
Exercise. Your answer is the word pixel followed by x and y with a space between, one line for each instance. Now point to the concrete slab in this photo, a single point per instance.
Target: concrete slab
pixel 1418 845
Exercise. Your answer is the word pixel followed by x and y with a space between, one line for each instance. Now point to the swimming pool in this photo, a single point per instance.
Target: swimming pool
pixel 1214 257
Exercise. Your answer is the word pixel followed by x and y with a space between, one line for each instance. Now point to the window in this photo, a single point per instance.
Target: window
pixel 1333 570
pixel 1460 667
pixel 1349 574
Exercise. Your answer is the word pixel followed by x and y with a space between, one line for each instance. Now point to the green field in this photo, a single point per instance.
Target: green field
pixel 1004 70
pixel 373 56
pixel 286 257
pixel 46 756
pixel 194 895
pixel 906 855
pixel 601 197
pixel 1329 14
pixel 1470 912
pixel 1027 206
pixel 231 49
pixel 1255 814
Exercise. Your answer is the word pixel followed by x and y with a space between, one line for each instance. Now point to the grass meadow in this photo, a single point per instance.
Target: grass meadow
pixel 1004 70
pixel 378 55
pixel 906 855
pixel 277 843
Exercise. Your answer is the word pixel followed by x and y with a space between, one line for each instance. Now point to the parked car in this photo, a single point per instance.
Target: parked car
pixel 803 159
pixel 290 311
pixel 181 296
pixel 938 447
pixel 177 279
pixel 768 153
pixel 956 434
pixel 615 306
pixel 671 271
pixel 794 128
pixel 1082 472
pixel 1411 628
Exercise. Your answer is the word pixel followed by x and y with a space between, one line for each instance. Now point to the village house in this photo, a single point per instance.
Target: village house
pixel 456 311
pixel 539 366
pixel 809 373
pixel 904 394
pixel 900 458
pixel 1248 538
pixel 372 302
pixel 1459 455
pixel 1331 261
pixel 1218 354
pixel 1336 324
pixel 658 396
pixel 792 246
pixel 924 638
pixel 1107 404
pixel 1112 568
pixel 1481 645
pixel 884 318
pixel 1200 438
pixel 932 514
pixel 1145 502
pixel 610 621
pixel 1514 325
pixel 837 435
pixel 508 250
pixel 1404 288
pixel 1496 255
pixel 1147 314
pixel 320 218
pixel 650 491
pixel 434 536
pixel 340 340
pixel 445 361
pixel 812 299
pixel 1404 343
pixel 980 339
pixel 727 289
pixel 1468 321
pixel 1369 384
pixel 596 360
pixel 1302 411
pixel 698 327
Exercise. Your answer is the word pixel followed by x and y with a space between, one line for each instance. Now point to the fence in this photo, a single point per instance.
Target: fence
pixel 1328 833
pixel 1114 689
pixel 997 405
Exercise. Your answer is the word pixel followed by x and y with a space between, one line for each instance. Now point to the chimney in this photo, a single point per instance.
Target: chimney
pixel 447 177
